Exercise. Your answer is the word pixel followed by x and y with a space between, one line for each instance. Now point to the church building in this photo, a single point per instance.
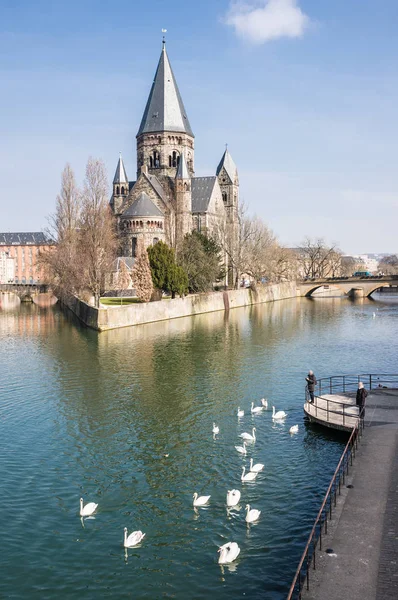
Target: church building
pixel 167 201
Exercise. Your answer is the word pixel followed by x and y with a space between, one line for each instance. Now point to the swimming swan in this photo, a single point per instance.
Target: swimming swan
pixel 133 539
pixel 201 500
pixel 293 429
pixel 256 468
pixel 256 409
pixel 216 429
pixel 247 436
pixel 281 414
pixel 249 476
pixel 233 497
pixel 241 413
pixel 241 449
pixel 264 402
pixel 89 509
pixel 252 515
pixel 228 553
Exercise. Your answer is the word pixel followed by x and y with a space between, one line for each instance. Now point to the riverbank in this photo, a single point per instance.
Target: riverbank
pixel 363 535
pixel 113 317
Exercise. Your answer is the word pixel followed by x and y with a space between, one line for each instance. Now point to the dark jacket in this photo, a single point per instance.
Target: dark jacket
pixel 311 381
pixel 361 395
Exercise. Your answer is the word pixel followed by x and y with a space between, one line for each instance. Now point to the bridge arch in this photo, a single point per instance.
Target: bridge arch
pixel 376 287
pixel 312 289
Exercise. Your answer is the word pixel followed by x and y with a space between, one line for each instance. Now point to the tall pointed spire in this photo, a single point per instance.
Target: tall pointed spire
pixel 228 164
pixel 164 110
pixel 182 170
pixel 120 174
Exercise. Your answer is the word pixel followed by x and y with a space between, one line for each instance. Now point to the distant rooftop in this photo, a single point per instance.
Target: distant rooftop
pixel 35 238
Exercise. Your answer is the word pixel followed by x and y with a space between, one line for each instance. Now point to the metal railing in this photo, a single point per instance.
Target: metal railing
pixel 345 384
pixel 320 528
pixel 333 385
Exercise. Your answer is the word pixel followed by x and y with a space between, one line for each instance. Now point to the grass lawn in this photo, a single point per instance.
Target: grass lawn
pixel 119 301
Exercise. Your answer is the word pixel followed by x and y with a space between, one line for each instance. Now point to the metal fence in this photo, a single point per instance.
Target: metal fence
pixel 334 385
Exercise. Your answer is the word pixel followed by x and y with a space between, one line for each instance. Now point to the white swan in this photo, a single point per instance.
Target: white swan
pixel 89 509
pixel 228 553
pixel 252 515
pixel 242 449
pixel 256 468
pixel 281 414
pixel 233 497
pixel 264 402
pixel 293 429
pixel 133 539
pixel 247 436
pixel 241 413
pixel 201 500
pixel 256 409
pixel 249 476
pixel 216 429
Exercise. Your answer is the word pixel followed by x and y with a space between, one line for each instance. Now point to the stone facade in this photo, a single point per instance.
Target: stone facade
pixel 167 201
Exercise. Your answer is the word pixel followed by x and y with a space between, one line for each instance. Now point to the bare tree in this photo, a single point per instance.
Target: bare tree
pixel 97 234
pixel 255 251
pixel 141 274
pixel 317 260
pixel 62 264
pixel 389 265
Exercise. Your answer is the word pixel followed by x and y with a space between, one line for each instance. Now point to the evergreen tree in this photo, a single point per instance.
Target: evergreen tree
pixel 141 275
pixel 200 257
pixel 161 259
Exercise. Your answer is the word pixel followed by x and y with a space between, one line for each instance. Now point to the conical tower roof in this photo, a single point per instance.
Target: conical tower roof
pixel 228 164
pixel 182 171
pixel 164 110
pixel 120 174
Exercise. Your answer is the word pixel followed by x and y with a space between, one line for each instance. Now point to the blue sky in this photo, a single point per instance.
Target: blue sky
pixel 304 91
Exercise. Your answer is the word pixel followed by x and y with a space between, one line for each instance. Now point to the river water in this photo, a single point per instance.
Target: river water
pixel 94 415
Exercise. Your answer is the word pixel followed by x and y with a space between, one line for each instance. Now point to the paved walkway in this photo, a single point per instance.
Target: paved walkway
pixel 364 532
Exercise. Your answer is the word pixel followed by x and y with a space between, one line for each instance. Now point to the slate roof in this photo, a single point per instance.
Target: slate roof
pixel 155 183
pixel 164 110
pixel 228 164
pixel 120 174
pixel 182 171
pixel 143 206
pixel 25 239
pixel 202 189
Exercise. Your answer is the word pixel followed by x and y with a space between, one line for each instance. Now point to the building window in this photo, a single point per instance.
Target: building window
pixel 155 241
pixel 224 197
pixel 122 190
pixel 134 246
pixel 117 190
pixel 156 159
pixel 175 159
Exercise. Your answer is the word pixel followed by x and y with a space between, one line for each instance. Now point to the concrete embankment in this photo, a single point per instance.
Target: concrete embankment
pixel 112 317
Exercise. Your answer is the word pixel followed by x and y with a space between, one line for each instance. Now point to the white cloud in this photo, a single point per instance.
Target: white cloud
pixel 260 21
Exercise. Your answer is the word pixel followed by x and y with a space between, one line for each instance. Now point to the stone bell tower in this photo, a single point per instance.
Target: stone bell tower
pixel 165 133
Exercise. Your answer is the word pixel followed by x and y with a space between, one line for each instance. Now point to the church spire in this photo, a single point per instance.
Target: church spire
pixel 182 170
pixel 120 174
pixel 164 110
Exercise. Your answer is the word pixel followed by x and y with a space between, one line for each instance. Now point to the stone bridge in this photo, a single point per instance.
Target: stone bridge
pixel 354 287
pixel 25 291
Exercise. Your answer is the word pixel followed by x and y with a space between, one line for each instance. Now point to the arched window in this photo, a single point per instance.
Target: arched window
pixel 122 190
pixel 133 246
pixel 150 161
pixel 225 197
pixel 155 241
pixel 175 159
pixel 186 188
pixel 156 159
pixel 117 190
pixel 170 160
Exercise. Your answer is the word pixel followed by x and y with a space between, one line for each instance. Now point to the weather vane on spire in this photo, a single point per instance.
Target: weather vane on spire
pixel 164 31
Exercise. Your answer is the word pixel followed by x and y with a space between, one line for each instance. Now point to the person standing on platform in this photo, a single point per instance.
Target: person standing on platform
pixel 311 383
pixel 361 397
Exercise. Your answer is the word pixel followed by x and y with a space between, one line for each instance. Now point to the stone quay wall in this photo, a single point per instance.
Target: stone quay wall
pixel 112 317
